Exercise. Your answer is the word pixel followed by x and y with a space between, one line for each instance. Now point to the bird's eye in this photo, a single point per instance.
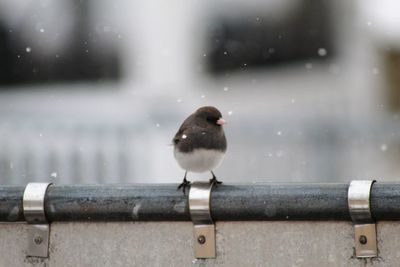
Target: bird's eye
pixel 211 119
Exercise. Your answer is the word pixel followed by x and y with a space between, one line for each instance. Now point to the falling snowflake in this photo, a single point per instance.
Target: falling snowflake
pixel 322 52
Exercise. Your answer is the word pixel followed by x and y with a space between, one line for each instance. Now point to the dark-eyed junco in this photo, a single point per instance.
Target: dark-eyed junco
pixel 200 143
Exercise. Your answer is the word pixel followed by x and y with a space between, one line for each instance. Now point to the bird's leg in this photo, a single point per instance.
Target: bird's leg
pixel 185 183
pixel 214 180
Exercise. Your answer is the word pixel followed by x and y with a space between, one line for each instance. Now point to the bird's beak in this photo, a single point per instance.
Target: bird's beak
pixel 221 121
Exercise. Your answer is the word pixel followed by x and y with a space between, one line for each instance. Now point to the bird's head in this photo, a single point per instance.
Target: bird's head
pixel 212 115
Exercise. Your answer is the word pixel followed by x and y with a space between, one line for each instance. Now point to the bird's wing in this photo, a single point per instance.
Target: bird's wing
pixel 178 136
pixel 186 127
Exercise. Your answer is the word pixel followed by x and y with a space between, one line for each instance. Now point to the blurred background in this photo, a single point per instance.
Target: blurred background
pixel 94 91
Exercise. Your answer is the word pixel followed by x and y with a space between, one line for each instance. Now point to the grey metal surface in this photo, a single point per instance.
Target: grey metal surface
pixel 256 244
pixel 199 203
pixel 33 202
pixel 38 240
pixel 359 195
pixel 229 202
pixel 359 200
pixel 39 229
pixel 204 229
pixel 365 240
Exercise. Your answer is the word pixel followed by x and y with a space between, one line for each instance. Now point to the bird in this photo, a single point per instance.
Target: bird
pixel 200 143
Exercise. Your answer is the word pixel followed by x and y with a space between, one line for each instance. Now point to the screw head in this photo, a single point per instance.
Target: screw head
pixel 363 239
pixel 38 240
pixel 201 239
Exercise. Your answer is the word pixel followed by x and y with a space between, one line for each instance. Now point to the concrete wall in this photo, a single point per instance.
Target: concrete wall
pixel 170 244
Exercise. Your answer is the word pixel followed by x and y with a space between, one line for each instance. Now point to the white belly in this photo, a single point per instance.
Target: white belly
pixel 200 160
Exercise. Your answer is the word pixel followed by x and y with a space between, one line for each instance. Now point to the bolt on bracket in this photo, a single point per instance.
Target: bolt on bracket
pixel 38 229
pixel 200 212
pixel 360 212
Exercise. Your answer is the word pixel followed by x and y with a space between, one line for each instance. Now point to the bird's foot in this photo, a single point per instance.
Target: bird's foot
pixel 215 182
pixel 185 183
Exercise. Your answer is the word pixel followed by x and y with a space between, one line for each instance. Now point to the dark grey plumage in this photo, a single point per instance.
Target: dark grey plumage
pixel 203 130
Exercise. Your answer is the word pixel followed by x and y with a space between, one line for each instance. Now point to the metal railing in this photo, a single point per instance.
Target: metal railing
pixel 163 202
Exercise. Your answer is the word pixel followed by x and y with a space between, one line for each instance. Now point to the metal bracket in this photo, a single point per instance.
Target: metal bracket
pixel 204 229
pixel 360 213
pixel 39 229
